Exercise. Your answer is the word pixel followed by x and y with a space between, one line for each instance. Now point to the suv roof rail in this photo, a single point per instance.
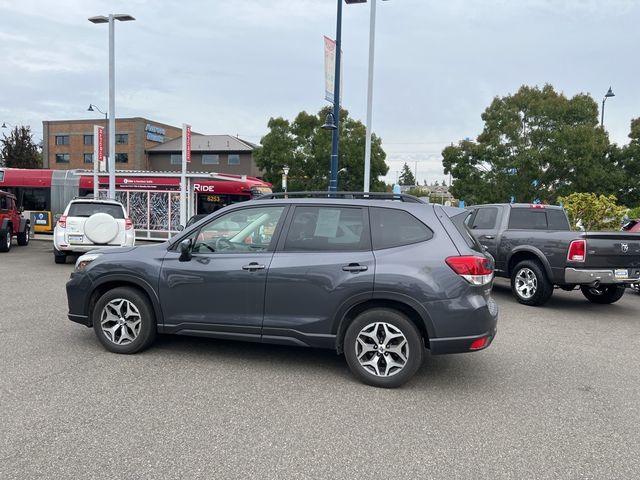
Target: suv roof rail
pixel 402 197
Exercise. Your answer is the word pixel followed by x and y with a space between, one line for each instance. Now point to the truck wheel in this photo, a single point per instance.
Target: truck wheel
pixel 124 321
pixel 23 238
pixel 383 348
pixel 59 257
pixel 5 240
pixel 603 294
pixel 529 283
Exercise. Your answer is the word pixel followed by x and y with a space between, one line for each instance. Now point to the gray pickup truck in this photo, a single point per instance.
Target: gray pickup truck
pixel 534 246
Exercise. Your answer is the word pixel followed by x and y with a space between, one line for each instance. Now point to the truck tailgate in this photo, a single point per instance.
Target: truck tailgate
pixel 613 249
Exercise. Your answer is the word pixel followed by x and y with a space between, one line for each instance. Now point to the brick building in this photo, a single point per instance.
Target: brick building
pixel 69 143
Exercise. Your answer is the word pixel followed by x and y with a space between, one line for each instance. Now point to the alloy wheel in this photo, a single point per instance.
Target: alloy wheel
pixel 526 283
pixel 120 321
pixel 382 349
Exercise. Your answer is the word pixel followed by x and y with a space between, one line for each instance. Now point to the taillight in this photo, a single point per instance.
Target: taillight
pixel 577 251
pixel 128 224
pixel 474 269
pixel 62 221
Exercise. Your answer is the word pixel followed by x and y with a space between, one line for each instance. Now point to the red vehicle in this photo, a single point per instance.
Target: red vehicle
pixel 151 198
pixel 632 225
pixel 12 223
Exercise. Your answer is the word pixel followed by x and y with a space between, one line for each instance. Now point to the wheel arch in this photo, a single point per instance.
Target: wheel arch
pixel 412 310
pixel 117 281
pixel 528 253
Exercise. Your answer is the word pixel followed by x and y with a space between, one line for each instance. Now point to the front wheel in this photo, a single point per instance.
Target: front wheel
pixel 123 320
pixel 23 238
pixel 383 348
pixel 5 240
pixel 529 283
pixel 604 294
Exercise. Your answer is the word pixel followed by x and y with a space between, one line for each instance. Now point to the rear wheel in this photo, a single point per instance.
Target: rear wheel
pixel 123 320
pixel 529 283
pixel 383 348
pixel 59 257
pixel 603 294
pixel 23 238
pixel 5 240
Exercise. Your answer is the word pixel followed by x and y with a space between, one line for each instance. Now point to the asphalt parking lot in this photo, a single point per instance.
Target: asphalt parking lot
pixel 557 396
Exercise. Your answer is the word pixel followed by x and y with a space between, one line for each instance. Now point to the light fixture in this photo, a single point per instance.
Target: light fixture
pixel 329 122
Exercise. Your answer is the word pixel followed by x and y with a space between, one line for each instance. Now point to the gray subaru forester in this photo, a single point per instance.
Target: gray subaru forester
pixel 376 279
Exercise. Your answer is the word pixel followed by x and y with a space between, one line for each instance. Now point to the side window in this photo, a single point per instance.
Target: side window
pixel 241 231
pixel 319 229
pixel 528 219
pixel 3 202
pixel 485 219
pixel 393 228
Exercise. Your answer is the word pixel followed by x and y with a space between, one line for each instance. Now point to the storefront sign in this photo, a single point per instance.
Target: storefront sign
pixel 155 134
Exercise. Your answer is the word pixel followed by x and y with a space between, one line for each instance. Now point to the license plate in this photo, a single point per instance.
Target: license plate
pixel 75 238
pixel 622 273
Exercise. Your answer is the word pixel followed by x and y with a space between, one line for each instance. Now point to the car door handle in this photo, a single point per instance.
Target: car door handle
pixel 253 266
pixel 489 237
pixel 355 268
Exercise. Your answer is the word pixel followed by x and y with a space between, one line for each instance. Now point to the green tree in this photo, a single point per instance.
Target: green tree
pixel 629 159
pixel 305 148
pixel 594 212
pixel 19 150
pixel 406 176
pixel 535 144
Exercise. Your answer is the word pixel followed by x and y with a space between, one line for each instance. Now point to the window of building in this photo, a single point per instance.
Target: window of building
pixel 87 139
pixel 62 158
pixel 320 229
pixel 209 159
pixel 88 158
pixel 393 228
pixel 122 138
pixel 62 139
pixel 122 158
pixel 485 219
pixel 176 159
pixel 234 159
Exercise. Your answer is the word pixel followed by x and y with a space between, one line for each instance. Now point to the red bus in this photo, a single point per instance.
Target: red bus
pixel 151 198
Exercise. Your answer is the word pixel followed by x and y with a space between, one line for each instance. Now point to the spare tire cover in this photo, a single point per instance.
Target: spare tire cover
pixel 101 228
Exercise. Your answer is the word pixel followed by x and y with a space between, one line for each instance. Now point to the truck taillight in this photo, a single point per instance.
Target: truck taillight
pixel 474 269
pixel 577 251
pixel 128 224
pixel 62 221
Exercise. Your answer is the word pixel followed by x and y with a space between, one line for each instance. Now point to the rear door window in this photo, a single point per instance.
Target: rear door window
pixel 485 219
pixel 86 209
pixel 557 220
pixel 393 228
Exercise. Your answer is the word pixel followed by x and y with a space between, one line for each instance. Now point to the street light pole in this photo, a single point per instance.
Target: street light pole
pixel 112 100
pixel 333 181
pixel 607 95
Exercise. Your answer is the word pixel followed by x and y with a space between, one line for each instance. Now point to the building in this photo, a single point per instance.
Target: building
pixel 209 153
pixel 68 144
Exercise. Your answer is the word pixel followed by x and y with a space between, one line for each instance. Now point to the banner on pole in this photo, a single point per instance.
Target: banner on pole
pixel 187 133
pixel 98 148
pixel 330 69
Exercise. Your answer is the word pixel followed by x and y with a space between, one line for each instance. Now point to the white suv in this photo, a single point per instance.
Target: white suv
pixel 87 224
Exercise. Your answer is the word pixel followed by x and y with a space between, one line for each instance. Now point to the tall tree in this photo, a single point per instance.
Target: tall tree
pixel 629 159
pixel 536 144
pixel 406 176
pixel 19 150
pixel 305 148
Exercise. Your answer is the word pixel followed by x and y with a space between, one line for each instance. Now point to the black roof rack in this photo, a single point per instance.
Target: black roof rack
pixel 401 197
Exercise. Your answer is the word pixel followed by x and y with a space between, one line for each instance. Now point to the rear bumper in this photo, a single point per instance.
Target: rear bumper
pixel 439 346
pixel 583 276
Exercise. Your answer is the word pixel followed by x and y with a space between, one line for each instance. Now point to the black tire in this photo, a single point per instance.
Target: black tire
pixel 604 294
pixel 5 240
pixel 146 333
pixel 538 291
pixel 23 238
pixel 59 257
pixel 400 324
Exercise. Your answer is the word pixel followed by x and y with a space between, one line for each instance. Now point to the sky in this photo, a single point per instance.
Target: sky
pixel 227 66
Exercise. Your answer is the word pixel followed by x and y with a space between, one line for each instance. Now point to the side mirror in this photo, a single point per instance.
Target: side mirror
pixel 20 209
pixel 180 228
pixel 56 218
pixel 185 250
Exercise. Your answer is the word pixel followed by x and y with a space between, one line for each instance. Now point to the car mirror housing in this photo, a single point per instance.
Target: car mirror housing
pixel 185 250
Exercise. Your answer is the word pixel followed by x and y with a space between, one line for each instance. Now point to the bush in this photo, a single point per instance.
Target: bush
pixel 595 212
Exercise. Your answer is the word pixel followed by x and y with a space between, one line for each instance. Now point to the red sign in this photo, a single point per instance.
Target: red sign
pixel 188 153
pixel 100 144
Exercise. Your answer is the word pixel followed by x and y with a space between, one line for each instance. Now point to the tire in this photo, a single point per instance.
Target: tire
pixel 406 343
pixel 5 240
pixel 59 257
pixel 129 321
pixel 529 283
pixel 603 295
pixel 23 238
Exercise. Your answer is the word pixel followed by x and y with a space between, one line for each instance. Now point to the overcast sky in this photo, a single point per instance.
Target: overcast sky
pixel 226 66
